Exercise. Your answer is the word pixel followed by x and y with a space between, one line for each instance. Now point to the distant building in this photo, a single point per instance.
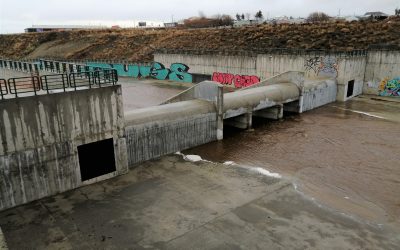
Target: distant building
pixel 142 24
pixel 346 18
pixel 171 25
pixel 238 23
pixel 44 28
pixel 377 15
pixel 287 20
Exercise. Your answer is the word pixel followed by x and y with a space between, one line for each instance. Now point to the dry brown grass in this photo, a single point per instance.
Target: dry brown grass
pixel 139 45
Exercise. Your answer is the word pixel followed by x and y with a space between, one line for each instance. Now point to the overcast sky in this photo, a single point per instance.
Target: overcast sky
pixel 15 15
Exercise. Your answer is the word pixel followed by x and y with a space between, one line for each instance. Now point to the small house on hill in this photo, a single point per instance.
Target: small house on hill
pixel 377 15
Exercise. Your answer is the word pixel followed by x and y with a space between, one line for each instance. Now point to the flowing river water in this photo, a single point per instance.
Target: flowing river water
pixel 343 155
pixel 343 158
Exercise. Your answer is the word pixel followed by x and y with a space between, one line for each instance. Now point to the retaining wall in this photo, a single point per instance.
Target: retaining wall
pixel 40 135
pixel 345 68
pixel 382 73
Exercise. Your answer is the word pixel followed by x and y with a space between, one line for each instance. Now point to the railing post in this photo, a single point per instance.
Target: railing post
pixel 47 85
pixel 33 84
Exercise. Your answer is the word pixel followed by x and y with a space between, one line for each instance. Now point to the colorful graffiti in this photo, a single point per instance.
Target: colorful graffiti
pixel 324 66
pixel 389 87
pixel 177 72
pixel 239 81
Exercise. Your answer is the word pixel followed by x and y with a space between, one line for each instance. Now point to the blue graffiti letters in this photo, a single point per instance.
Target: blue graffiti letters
pixel 178 72
pixel 158 71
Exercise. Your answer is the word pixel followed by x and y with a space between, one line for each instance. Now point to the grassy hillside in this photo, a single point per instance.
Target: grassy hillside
pixel 139 45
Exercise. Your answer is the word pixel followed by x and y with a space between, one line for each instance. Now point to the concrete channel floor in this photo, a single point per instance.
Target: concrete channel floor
pixel 174 204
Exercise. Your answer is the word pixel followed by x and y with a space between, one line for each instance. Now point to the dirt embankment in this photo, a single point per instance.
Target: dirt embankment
pixel 139 45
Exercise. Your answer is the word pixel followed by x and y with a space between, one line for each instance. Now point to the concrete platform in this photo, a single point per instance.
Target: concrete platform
pixel 174 204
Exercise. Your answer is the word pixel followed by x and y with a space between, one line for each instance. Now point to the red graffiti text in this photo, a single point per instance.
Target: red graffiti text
pixel 239 81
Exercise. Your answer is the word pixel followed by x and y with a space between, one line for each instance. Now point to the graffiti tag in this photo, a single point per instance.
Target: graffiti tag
pixel 177 71
pixel 389 87
pixel 313 64
pixel 239 81
pixel 325 66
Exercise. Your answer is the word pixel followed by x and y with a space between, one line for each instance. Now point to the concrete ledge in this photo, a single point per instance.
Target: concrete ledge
pixel 168 112
pixel 206 90
pixel 296 77
pixel 263 97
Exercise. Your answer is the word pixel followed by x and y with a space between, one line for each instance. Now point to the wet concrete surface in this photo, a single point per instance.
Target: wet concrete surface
pixel 174 204
pixel 338 154
pixel 145 93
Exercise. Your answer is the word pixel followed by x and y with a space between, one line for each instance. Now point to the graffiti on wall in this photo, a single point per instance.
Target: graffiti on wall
pixel 389 87
pixel 322 66
pixel 239 81
pixel 313 64
pixel 177 72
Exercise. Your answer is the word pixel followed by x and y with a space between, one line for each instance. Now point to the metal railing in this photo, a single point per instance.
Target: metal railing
pixel 21 85
pixel 19 65
pixel 53 82
pixel 64 82
pixel 3 88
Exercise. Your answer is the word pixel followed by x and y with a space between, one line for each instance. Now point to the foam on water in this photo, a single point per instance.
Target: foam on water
pixel 258 170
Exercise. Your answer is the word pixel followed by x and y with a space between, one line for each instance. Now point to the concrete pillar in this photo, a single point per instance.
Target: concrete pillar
pixel 292 107
pixel 244 121
pixel 249 117
pixel 341 92
pixel 220 113
pixel 274 113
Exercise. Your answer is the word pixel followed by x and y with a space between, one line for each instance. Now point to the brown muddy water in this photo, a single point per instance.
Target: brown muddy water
pixel 341 157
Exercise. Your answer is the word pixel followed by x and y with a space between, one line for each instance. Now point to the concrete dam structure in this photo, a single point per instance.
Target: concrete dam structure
pixel 197 115
pixel 58 139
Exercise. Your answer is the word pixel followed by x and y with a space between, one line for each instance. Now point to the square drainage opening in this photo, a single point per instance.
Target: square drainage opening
pixel 350 88
pixel 96 159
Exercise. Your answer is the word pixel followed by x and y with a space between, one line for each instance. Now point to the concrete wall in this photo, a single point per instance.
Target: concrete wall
pixel 40 135
pixel 154 139
pixel 343 67
pixel 177 72
pixel 295 77
pixel 382 74
pixel 208 64
pixel 350 69
pixel 318 93
pixel 156 131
